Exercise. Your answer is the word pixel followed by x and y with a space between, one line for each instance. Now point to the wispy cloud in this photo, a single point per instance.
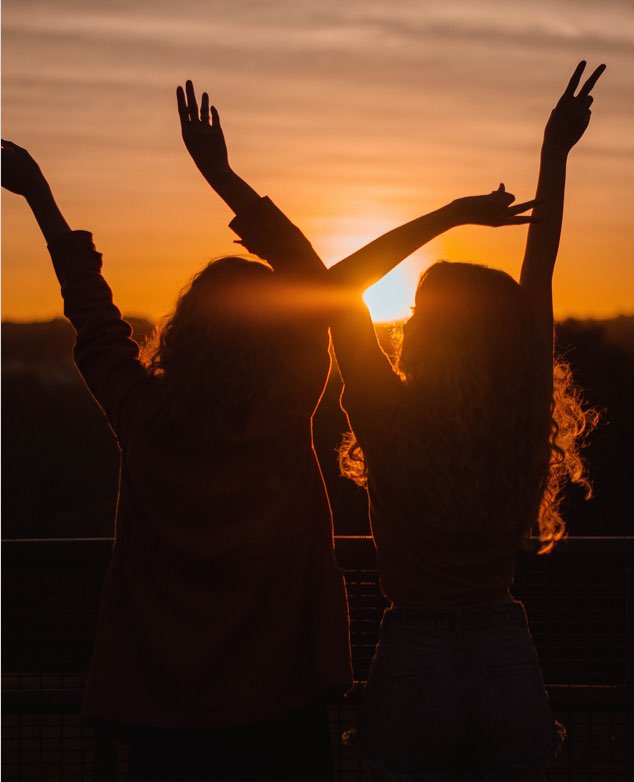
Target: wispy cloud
pixel 335 107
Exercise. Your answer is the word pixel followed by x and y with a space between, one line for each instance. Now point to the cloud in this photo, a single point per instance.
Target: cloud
pixel 337 107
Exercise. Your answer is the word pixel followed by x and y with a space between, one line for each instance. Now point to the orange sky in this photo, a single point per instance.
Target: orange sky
pixel 353 116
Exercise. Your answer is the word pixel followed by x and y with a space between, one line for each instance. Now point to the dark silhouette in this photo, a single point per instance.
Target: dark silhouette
pixel 223 616
pixel 464 452
pixel 223 621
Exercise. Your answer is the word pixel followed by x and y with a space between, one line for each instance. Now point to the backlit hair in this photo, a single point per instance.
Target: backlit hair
pixel 222 351
pixel 479 429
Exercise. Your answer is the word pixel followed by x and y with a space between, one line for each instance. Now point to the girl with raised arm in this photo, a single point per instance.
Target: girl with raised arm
pixel 223 621
pixel 464 446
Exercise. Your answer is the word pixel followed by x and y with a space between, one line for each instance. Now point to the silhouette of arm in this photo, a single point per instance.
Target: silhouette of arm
pixel 370 382
pixel 205 142
pixel 376 259
pixel 272 236
pixel 267 232
pixel 566 125
pixel 22 175
pixel 263 228
pixel 104 353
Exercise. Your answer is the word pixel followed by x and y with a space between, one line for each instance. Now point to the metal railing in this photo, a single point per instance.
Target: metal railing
pixel 579 601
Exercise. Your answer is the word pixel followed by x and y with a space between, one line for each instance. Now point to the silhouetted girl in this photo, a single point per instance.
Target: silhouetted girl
pixel 223 620
pixel 464 446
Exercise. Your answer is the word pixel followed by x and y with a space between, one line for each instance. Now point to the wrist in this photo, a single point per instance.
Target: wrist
pixel 218 176
pixel 454 214
pixel 553 151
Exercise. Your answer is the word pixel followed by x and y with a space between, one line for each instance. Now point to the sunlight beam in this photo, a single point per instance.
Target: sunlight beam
pixel 392 298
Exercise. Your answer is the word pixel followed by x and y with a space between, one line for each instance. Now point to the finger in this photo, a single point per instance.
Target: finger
pixel 182 105
pixel 517 208
pixel 500 195
pixel 574 79
pixel 192 103
pixel 521 220
pixel 594 78
pixel 204 109
pixel 215 118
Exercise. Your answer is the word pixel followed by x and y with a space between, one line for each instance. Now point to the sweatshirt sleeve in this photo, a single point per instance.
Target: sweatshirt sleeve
pixel 105 354
pixel 369 379
pixel 265 231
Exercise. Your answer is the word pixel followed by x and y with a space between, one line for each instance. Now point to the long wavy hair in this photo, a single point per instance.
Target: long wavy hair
pixel 223 350
pixel 479 428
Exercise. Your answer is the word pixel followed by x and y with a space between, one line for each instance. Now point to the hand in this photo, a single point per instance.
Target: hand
pixel 493 209
pixel 204 140
pixel 20 173
pixel 570 117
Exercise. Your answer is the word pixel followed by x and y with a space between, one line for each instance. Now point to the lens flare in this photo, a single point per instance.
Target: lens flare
pixel 392 298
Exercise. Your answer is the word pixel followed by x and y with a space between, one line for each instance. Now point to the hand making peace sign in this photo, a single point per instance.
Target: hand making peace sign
pixel 570 117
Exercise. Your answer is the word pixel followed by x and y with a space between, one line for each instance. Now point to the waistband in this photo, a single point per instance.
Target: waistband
pixel 467 617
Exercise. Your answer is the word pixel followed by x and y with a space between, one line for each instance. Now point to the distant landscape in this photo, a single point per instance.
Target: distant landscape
pixel 60 460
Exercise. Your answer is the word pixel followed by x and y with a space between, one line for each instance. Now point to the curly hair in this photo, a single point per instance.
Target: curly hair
pixel 223 350
pixel 479 427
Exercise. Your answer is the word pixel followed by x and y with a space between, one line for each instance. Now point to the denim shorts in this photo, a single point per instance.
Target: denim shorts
pixel 455 693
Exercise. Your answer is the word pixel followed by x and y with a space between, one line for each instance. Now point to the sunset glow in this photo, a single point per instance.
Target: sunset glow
pixel 353 117
pixel 392 297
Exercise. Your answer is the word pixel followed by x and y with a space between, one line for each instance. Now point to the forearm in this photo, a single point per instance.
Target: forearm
pixel 543 236
pixel 375 260
pixel 105 353
pixel 233 190
pixel 48 215
pixel 265 231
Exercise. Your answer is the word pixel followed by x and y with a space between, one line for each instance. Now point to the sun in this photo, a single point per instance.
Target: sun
pixel 392 298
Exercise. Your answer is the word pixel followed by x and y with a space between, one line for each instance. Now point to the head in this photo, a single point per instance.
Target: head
pixel 480 431
pixel 470 329
pixel 224 347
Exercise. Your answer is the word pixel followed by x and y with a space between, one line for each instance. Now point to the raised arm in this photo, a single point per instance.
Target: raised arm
pixel 105 354
pixel 263 229
pixel 370 263
pixel 283 244
pixel 205 142
pixel 22 176
pixel 566 125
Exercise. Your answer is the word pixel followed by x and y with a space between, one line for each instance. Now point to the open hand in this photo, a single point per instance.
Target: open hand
pixel 570 117
pixel 202 135
pixel 20 173
pixel 493 209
